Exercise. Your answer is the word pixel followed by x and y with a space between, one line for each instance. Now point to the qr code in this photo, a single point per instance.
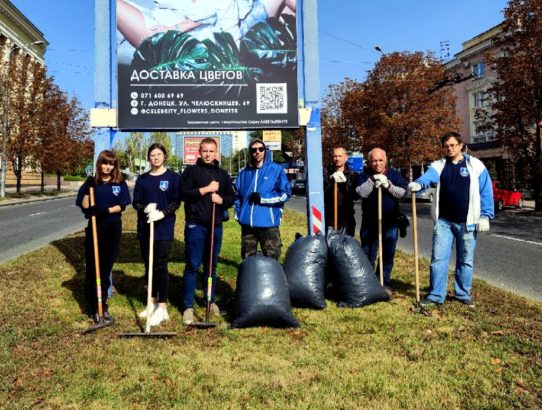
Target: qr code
pixel 271 98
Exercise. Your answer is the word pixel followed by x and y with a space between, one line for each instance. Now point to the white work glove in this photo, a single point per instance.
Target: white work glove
pixel 483 224
pixel 150 208
pixel 414 187
pixel 381 180
pixel 155 216
pixel 338 177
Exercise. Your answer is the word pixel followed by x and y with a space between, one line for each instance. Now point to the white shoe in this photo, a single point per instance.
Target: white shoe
pixel 159 315
pixel 215 310
pixel 143 314
pixel 188 316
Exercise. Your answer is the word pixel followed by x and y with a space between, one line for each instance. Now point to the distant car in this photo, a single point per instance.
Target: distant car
pixel 299 186
pixel 506 197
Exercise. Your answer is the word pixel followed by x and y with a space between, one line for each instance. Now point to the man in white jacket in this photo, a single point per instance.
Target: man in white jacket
pixel 462 207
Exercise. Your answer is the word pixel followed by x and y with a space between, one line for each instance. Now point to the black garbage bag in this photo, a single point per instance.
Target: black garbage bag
pixel 354 279
pixel 305 270
pixel 262 296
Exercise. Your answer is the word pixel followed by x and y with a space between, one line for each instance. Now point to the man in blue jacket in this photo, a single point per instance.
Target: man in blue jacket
pixel 462 207
pixel 262 190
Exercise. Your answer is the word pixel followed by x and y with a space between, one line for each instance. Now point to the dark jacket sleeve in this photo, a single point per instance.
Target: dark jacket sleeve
pixel 327 182
pixel 125 199
pixel 189 191
pixel 138 203
pixel 352 184
pixel 228 196
pixel 175 201
pixel 79 200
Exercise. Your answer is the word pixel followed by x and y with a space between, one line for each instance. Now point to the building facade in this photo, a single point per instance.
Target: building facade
pixel 471 96
pixel 21 42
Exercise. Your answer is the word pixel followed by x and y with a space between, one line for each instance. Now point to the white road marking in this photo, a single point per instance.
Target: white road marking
pixel 516 239
pixel 37 213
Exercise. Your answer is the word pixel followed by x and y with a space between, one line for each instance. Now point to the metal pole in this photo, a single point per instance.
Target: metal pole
pixel 310 86
pixel 104 12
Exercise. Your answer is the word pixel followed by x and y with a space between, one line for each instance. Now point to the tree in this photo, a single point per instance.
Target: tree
pixel 175 163
pixel 64 143
pixel 337 129
pixel 394 109
pixel 291 145
pixel 26 91
pixel 119 148
pixel 516 96
pixel 240 160
pixel 164 139
pixel 136 149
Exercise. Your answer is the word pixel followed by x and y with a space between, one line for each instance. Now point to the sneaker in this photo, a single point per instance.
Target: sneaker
pixel 428 303
pixel 143 314
pixel 214 309
pixel 467 302
pixel 95 318
pixel 158 316
pixel 108 318
pixel 188 316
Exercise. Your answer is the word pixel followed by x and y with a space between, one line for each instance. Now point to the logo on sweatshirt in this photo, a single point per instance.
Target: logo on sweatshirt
pixel 116 190
pixel 164 185
pixel 464 172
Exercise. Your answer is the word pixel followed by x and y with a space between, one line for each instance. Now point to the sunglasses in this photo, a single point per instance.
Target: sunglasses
pixel 257 149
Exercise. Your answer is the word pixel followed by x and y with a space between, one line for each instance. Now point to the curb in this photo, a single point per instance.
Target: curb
pixel 8 202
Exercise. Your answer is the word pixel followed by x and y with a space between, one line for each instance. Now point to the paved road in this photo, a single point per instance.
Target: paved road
pixel 26 227
pixel 509 256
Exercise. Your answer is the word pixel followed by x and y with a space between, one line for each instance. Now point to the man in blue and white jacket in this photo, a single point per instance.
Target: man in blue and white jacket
pixel 262 190
pixel 462 207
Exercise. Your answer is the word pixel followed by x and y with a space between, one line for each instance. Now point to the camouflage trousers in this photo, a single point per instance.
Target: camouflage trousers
pixel 268 238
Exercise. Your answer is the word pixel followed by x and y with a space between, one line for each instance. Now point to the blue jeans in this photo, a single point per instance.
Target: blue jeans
pixel 369 244
pixel 197 243
pixel 444 234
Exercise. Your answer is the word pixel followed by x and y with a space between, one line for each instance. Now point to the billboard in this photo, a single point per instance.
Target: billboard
pixel 206 64
pixel 191 149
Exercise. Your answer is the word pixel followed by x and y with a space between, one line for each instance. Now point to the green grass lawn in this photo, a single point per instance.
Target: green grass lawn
pixel 383 356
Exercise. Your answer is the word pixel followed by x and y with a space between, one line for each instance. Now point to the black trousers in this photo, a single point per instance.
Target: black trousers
pixel 108 248
pixel 160 274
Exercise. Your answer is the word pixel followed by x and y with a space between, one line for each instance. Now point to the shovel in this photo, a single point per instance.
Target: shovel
pixel 101 321
pixel 419 308
pixel 207 324
pixel 380 256
pixel 335 206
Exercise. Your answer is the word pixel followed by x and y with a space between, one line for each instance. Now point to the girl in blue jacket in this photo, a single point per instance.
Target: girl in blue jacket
pixel 111 196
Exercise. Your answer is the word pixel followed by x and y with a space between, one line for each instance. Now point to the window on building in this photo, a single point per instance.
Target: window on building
pixel 479 69
pixel 478 99
pixel 480 135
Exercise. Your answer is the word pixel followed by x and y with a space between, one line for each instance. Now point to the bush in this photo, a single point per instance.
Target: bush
pixel 73 178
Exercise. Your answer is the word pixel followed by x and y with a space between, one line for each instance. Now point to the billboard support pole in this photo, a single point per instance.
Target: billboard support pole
pixel 310 91
pixel 104 22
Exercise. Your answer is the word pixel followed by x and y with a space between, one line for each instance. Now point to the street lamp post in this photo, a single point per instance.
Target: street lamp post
pixel 5 128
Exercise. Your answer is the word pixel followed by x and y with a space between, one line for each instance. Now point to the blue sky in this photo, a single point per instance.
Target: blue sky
pixel 348 31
